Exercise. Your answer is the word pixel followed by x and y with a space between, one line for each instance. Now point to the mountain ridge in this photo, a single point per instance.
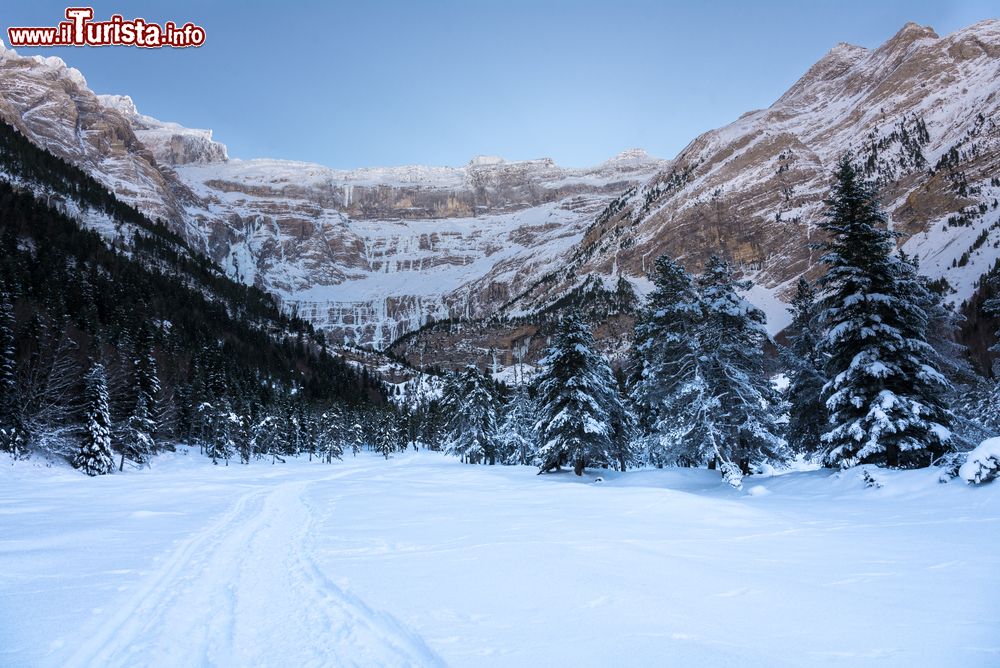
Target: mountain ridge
pixel 371 254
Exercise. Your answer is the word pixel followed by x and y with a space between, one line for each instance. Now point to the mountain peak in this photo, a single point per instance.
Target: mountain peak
pixel 908 35
pixel 632 155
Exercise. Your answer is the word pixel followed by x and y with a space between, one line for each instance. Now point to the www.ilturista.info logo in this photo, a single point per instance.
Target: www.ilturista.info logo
pixel 80 30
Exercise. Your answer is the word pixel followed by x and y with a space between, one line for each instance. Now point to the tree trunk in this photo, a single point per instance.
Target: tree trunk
pixel 892 456
pixel 578 467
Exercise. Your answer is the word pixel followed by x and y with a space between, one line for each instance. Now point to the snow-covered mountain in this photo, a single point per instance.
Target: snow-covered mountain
pixel 371 254
pixel 366 254
pixel 919 112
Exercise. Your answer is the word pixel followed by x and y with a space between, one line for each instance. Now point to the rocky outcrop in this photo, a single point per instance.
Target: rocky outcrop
pixel 170 143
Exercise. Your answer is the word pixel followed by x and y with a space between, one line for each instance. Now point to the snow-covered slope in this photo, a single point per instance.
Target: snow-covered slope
pixel 423 561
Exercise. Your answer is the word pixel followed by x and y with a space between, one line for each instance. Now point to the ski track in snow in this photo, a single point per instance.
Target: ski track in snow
pixel 245 592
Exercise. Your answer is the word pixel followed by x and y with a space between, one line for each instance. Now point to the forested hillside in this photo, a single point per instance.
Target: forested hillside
pixel 180 350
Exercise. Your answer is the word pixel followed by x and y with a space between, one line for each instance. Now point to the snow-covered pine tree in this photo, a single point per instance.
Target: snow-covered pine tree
pixel 981 401
pixel 95 456
pixel 13 438
pixel 287 435
pixel 449 406
pixel 8 361
pixel 804 361
pixel 943 325
pixel 427 422
pixel 665 356
pixel 219 423
pixel 185 412
pixel 884 393
pixel 147 379
pixel 356 433
pixel 137 440
pixel 472 406
pixel 624 424
pixel 578 403
pixel 244 434
pixel 220 428
pixel 384 433
pixel 310 432
pixel 516 436
pixel 951 357
pixel 263 432
pixel 333 433
pixel 731 340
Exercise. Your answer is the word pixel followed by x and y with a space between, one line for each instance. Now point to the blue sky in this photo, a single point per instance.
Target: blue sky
pixel 372 82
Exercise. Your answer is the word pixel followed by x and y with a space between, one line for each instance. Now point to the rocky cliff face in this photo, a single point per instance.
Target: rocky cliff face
pixel 51 104
pixel 371 254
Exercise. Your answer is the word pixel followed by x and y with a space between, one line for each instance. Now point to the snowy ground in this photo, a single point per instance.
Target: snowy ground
pixel 425 561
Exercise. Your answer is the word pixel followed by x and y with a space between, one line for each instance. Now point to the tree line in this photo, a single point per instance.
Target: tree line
pixel 871 363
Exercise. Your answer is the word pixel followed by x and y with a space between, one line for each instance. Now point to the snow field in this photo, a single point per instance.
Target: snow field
pixel 424 561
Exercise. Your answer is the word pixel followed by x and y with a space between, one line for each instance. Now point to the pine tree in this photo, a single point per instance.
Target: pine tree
pixel 186 413
pixel 702 385
pixel 731 348
pixel 332 433
pixel 389 436
pixel 980 403
pixel 147 380
pixel 139 439
pixel 884 393
pixel 802 357
pixel 473 406
pixel 94 456
pixel 219 425
pixel 310 432
pixel 578 400
pixel 244 435
pixel 516 436
pixel 665 356
pixel 953 360
pixel 356 433
pixel 624 427
pixel 13 438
